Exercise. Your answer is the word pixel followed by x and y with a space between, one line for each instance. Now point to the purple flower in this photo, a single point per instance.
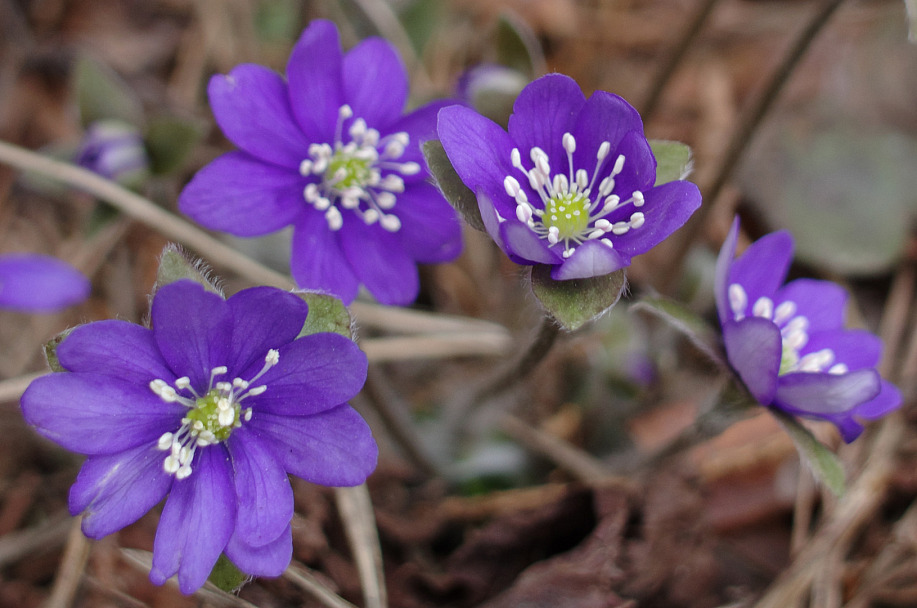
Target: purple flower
pixel 788 344
pixel 39 283
pixel 329 151
pixel 114 150
pixel 212 407
pixel 572 182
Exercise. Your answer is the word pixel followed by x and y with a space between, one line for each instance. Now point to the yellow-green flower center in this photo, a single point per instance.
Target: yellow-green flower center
pixel 216 415
pixel 569 213
pixel 348 170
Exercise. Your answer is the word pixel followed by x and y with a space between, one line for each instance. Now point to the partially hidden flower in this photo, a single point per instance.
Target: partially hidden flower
pixel 210 409
pixel 571 184
pixel 328 151
pixel 114 149
pixel 39 283
pixel 788 343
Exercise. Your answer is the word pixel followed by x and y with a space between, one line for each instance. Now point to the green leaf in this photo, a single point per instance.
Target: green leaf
pixel 420 19
pixel 575 302
pixel 692 326
pixel 169 142
pixel 518 46
pixel 822 461
pixel 102 94
pixel 226 576
pixel 673 160
pixel 50 350
pixel 175 265
pixel 451 185
pixel 326 314
pixel 276 20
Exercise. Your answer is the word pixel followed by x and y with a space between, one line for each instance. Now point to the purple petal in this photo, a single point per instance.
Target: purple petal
pixel 721 275
pixel 262 488
pixel 816 394
pixel 115 491
pixel 39 283
pixel 314 374
pixel 192 328
pixel 888 399
pixel 591 259
pixel 315 80
pixel 196 523
pixel 262 318
pixel 763 266
pixel 545 110
pixel 420 125
pixel 490 218
pixel 754 348
pixel 821 302
pixel 608 117
pixel 637 173
pixel 430 230
pixel 95 414
pixel 667 209
pixel 334 448
pixel 317 262
pixel 241 195
pixel 479 150
pixel 252 107
pixel 380 262
pixel 524 246
pixel 267 560
pixel 856 348
pixel 114 348
pixel 375 82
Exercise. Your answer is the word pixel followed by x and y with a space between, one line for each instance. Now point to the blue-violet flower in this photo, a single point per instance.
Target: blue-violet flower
pixel 571 184
pixel 787 342
pixel 212 407
pixel 114 150
pixel 329 152
pixel 39 283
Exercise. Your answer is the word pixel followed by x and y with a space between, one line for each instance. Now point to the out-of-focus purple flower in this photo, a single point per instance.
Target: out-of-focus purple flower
pixel 572 182
pixel 328 150
pixel 114 150
pixel 39 283
pixel 212 407
pixel 788 342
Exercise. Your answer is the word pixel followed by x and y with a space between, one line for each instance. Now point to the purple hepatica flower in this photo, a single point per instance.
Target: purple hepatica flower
pixel 39 283
pixel 328 151
pixel 213 407
pixel 572 182
pixel 114 150
pixel 788 344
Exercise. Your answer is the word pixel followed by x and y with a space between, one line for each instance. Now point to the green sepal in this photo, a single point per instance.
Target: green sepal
pixel 451 185
pixel 673 160
pixel 575 302
pixel 518 46
pixel 102 94
pixel 169 142
pixel 226 576
pixel 822 461
pixel 50 350
pixel 326 314
pixel 686 322
pixel 176 264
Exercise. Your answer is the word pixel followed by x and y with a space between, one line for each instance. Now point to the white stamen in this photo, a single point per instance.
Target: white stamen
pixel 764 308
pixel 738 300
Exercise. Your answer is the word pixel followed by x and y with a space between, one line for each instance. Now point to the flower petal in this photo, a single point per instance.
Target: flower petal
pixel 262 318
pixel 116 490
pixel 317 262
pixel 591 259
pixel 262 489
pixel 888 399
pixel 545 110
pixel 315 373
pixel 430 229
pixel 334 448
pixel 721 275
pixel 252 107
pixel 667 209
pixel 114 348
pixel 821 302
pixel 315 80
pixel 816 394
pixel 267 560
pixel 380 262
pixel 855 348
pixel 608 117
pixel 192 328
pixel 241 195
pixel 39 283
pixel 754 348
pixel 197 522
pixel 375 82
pixel 96 414
pixel 763 266
pixel 524 246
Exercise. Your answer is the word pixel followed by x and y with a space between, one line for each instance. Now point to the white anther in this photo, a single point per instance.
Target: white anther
pixel 370 217
pixel 611 203
pixel 603 225
pixel 582 179
pixel 345 111
pixel 524 213
pixel 785 310
pixel 738 300
pixel 183 383
pixel 171 464
pixel 553 235
pixel 568 252
pixel 272 357
pixel 838 368
pixel 608 243
pixel 390 222
pixel 516 159
pixel 358 128
pixel 350 198
pixel 218 371
pixel 311 193
pixel 256 391
pixel 305 167
pixel 569 143
pixel 598 232
pixel 411 168
pixel 620 228
pixel 165 441
pixel 637 219
pixel 512 186
pixel 619 165
pixel 183 472
pixel 386 200
pixel 606 186
pixel 322 203
pixel 764 308
pixel 247 415
pixel 639 200
pixel 394 149
pixel 334 219
pixel 226 417
pixel 604 149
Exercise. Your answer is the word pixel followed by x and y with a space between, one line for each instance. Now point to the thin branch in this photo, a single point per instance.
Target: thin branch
pixel 303 578
pixel 356 509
